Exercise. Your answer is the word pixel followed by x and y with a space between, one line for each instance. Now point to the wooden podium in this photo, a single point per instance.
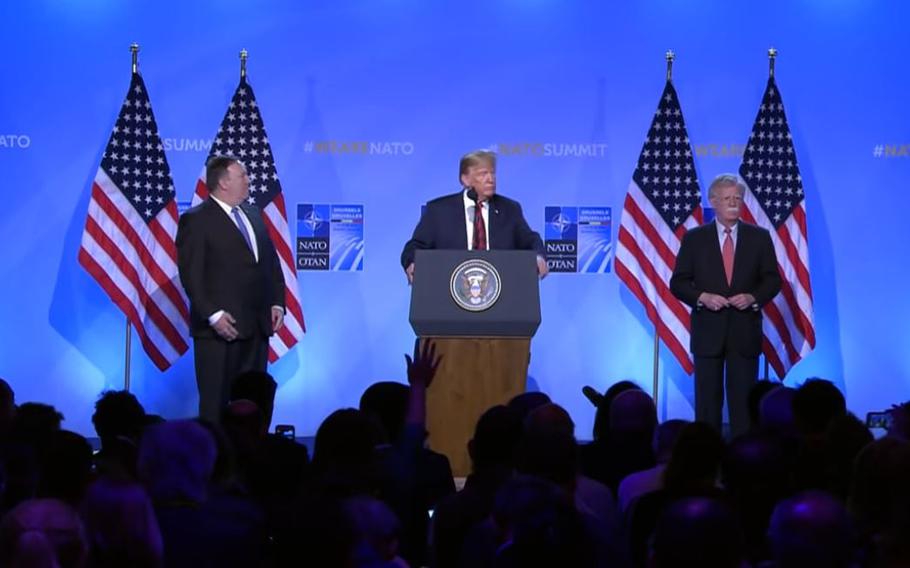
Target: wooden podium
pixel 485 344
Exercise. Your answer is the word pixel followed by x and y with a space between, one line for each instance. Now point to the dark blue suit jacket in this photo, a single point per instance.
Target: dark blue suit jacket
pixel 219 272
pixel 442 226
pixel 700 268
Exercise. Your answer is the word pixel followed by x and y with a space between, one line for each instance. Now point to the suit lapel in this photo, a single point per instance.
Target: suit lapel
pixel 259 229
pixel 742 249
pixel 494 228
pixel 461 216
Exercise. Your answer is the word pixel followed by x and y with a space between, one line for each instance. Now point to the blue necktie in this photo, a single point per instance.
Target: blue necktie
pixel 242 226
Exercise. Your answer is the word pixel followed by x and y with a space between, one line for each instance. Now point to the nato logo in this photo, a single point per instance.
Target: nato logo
pixel 561 238
pixel 578 239
pixel 330 237
pixel 313 221
pixel 562 223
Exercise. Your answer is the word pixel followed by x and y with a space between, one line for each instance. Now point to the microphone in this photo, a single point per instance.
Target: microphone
pixel 592 395
pixel 472 195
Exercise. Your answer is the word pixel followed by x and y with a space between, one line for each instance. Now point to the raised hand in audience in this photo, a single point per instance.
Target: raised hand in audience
pixel 422 368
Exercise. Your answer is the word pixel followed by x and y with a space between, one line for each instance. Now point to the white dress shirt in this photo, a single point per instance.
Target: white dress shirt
pixel 469 219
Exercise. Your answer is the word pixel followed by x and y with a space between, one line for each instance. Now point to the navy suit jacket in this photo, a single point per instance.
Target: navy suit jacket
pixel 700 268
pixel 219 272
pixel 442 226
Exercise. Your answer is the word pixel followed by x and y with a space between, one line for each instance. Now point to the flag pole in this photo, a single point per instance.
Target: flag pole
pixel 772 57
pixel 244 55
pixel 134 67
pixel 126 357
pixel 655 381
pixel 134 51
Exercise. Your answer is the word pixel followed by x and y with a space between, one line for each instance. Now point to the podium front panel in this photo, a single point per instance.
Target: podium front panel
pixel 434 312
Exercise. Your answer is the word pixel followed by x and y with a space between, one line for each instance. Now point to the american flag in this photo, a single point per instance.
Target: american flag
pixel 775 200
pixel 663 202
pixel 128 241
pixel 242 135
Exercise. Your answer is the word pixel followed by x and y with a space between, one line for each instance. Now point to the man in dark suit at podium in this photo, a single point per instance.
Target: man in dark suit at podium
pixel 475 218
pixel 232 277
pixel 726 271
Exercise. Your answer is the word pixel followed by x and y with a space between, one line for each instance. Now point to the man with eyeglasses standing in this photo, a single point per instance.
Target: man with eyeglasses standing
pixel 726 270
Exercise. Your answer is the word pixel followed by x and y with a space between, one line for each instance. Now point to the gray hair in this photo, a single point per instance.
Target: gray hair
pixel 726 180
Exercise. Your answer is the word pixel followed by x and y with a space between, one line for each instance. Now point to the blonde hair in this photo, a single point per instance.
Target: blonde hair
pixel 476 158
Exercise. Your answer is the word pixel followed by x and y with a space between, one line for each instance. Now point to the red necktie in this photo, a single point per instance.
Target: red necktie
pixel 728 256
pixel 480 231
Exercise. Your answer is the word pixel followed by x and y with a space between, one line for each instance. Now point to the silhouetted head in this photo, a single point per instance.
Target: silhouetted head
pixel 756 393
pixel 259 387
pixel 7 405
pixel 543 526
pixel 756 462
pixel 550 455
pixel 695 461
pixel 66 467
pixel 118 414
pixel 241 421
pixel 602 416
pixel 632 413
pixel 811 529
pixel 816 403
pixel 665 436
pixel 525 402
pixel 344 455
pixel 176 461
pixel 550 417
pixel 845 437
pixel 121 524
pixel 496 436
pixel 35 421
pixel 346 437
pixel 387 401
pixel 775 412
pixel 697 532
pixel 376 528
pixel 880 493
pixel 42 532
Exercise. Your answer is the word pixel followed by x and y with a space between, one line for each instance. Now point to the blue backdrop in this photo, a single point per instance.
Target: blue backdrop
pixel 425 82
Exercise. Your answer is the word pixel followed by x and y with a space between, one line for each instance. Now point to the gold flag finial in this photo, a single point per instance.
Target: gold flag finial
pixel 134 49
pixel 670 57
pixel 772 55
pixel 244 55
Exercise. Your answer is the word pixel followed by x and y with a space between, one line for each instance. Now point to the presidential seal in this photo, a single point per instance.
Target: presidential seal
pixel 475 285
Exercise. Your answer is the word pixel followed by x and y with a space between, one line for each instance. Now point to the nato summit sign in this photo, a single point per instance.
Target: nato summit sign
pixel 330 237
pixel 578 239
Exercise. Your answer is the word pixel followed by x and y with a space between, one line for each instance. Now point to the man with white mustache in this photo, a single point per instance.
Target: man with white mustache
pixel 725 271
